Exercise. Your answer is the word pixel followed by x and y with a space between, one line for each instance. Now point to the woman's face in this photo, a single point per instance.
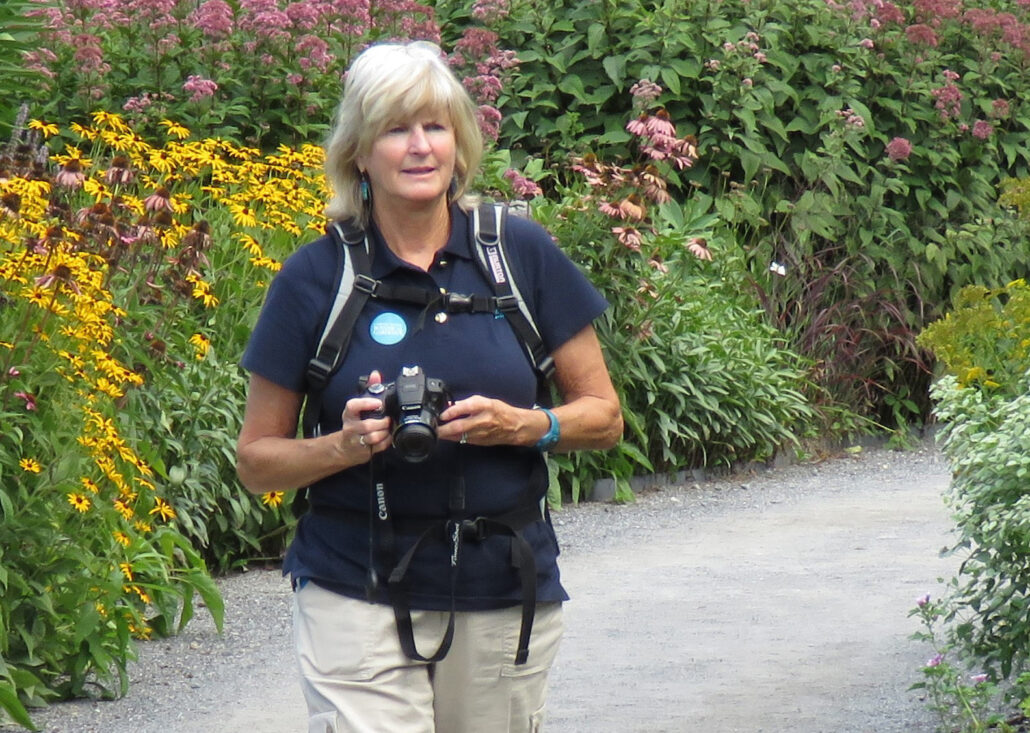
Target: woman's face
pixel 412 161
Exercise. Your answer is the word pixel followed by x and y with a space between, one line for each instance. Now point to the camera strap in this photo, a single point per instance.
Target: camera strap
pixel 383 529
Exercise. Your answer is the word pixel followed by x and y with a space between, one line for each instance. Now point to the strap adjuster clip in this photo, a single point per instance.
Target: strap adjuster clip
pixel 458 303
pixel 318 372
pixel 507 303
pixel 366 284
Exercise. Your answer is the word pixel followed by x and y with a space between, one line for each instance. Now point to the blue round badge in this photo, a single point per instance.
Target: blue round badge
pixel 388 329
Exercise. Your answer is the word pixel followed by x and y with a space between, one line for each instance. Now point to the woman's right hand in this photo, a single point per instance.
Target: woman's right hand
pixel 367 436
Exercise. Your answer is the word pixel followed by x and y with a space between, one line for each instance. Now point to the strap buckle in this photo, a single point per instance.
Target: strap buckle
pixel 458 303
pixel 366 284
pixel 507 303
pixel 319 370
pixel 473 529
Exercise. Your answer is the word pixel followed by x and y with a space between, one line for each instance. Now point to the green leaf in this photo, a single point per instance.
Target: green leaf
pixel 615 68
pixel 9 702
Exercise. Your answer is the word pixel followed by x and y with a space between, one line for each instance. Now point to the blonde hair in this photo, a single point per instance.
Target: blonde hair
pixel 392 82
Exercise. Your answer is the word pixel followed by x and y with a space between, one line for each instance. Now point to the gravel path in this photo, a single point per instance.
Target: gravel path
pixel 771 600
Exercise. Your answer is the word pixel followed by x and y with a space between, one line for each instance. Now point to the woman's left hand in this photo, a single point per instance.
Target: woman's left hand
pixel 484 421
pixel 589 417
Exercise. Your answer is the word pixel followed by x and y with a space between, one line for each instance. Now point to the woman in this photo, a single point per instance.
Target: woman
pixel 404 149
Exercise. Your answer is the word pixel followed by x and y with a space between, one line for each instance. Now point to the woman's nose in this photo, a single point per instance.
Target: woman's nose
pixel 418 140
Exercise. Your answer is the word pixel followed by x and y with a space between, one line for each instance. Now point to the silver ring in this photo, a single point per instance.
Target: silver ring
pixel 464 438
pixel 361 440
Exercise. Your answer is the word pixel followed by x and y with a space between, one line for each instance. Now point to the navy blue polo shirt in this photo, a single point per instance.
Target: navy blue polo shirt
pixel 473 353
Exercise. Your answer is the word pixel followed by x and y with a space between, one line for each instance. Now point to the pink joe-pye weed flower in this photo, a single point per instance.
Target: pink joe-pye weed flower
pixel 982 129
pixel 899 149
pixel 522 186
pixel 489 121
pixel 199 87
pixel 890 13
pixel 935 660
pixel 489 11
pixel 213 18
pixel 922 35
pixel 1000 109
pixel 925 598
pixel 867 43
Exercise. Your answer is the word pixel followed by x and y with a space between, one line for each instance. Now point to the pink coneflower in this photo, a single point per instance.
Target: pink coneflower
pixel 160 200
pixel 630 207
pixel 699 248
pixel 71 174
pixel 899 149
pixel 629 237
pixel 982 129
pixel 645 91
pixel 30 400
pixel 119 173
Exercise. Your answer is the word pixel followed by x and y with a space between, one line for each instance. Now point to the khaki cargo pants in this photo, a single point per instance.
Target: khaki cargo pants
pixel 356 679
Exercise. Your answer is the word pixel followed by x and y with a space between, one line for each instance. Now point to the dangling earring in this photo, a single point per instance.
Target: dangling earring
pixel 366 190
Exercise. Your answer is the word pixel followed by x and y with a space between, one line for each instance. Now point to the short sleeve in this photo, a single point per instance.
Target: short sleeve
pixel 283 340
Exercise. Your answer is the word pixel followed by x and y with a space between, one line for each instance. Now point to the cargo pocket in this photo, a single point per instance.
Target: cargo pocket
pixel 548 627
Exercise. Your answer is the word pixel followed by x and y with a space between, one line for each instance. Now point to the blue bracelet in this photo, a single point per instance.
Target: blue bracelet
pixel 553 435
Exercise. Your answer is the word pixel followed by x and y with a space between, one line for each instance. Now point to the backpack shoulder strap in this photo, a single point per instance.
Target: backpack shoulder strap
pixel 491 252
pixel 354 286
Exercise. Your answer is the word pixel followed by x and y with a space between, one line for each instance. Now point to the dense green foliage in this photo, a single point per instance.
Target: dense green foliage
pixel 859 148
pixel 18 33
pixel 983 404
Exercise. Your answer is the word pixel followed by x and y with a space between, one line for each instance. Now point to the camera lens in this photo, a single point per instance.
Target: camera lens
pixel 414 441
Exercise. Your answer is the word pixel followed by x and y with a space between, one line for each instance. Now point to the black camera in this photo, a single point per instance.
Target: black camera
pixel 414 403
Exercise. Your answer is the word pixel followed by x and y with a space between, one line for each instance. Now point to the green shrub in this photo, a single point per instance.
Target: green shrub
pixel 983 404
pixel 855 150
pixel 17 33
pixel 985 340
pixel 703 379
pixel 987 442
pixel 130 275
